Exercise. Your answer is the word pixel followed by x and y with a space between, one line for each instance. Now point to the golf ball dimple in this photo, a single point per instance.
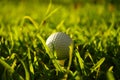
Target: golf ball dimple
pixel 59 42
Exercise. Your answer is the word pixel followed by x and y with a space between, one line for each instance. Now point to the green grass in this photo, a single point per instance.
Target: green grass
pixel 25 26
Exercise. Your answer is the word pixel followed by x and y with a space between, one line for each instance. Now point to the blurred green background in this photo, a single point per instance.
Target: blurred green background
pixel 94 26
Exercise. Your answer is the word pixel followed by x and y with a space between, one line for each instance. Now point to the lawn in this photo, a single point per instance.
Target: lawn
pixel 93 27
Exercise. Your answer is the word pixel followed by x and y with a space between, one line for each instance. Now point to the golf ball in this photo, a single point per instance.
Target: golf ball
pixel 60 43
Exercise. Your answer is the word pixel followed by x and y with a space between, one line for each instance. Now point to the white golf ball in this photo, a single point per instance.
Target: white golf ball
pixel 60 43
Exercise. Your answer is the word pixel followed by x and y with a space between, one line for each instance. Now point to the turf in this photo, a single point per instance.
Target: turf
pixel 25 26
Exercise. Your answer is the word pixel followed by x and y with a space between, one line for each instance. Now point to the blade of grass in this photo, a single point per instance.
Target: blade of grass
pixel 110 76
pixel 97 65
pixel 81 62
pixel 30 19
pixel 27 75
pixel 87 54
pixel 51 13
pixel 60 25
pixel 35 58
pixel 49 7
pixel 110 69
pixel 48 15
pixel 30 64
pixel 70 56
pixel 70 61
